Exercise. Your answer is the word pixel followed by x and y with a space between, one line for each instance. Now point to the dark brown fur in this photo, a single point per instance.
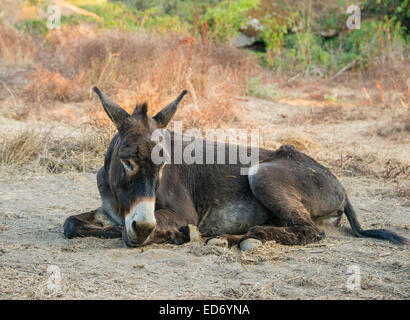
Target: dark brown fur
pixel 280 202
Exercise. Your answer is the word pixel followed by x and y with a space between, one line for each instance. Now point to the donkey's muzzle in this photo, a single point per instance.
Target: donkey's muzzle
pixel 140 223
pixel 138 235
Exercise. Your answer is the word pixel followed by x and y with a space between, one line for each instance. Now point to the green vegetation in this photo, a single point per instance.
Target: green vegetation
pixel 399 10
pixel 228 17
pixel 256 89
pixel 35 26
pixel 297 38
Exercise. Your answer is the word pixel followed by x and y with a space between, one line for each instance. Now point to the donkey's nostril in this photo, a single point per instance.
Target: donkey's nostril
pixel 134 228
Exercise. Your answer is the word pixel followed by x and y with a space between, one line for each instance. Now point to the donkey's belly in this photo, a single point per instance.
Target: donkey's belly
pixel 233 218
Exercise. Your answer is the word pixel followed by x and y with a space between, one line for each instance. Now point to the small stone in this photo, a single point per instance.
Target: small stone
pixel 249 244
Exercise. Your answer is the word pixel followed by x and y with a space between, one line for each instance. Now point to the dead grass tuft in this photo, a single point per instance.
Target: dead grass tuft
pixel 390 74
pixel 16 109
pixel 300 141
pixel 397 128
pixel 370 164
pixel 139 67
pixel 15 48
pixel 22 148
pixel 334 114
pixel 400 189
pixel 53 86
pixel 42 150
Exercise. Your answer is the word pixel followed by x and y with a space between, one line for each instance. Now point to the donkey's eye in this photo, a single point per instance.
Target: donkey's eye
pixel 129 165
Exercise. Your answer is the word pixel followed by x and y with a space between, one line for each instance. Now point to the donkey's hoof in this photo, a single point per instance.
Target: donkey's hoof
pixel 220 242
pixel 249 244
pixel 194 234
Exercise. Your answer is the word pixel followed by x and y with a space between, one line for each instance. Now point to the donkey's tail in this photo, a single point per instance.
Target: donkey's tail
pixel 371 233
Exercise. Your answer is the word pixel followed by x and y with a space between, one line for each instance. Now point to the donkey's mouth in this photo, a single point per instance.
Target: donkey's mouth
pixel 133 243
pixel 128 242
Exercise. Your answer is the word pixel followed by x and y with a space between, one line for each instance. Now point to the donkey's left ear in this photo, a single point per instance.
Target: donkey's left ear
pixel 165 115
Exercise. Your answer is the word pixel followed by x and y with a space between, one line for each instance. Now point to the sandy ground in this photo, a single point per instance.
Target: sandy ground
pixel 37 262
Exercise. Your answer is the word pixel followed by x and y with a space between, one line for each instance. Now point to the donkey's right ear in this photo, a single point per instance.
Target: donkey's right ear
pixel 113 110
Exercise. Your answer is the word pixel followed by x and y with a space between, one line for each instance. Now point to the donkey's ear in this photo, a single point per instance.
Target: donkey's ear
pixel 113 110
pixel 165 115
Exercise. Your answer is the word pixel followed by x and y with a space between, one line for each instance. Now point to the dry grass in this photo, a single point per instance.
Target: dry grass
pixel 397 129
pixel 138 67
pixel 15 107
pixel 399 189
pixel 384 84
pixel 84 154
pixel 389 72
pixel 53 86
pixel 15 49
pixel 334 114
pixel 42 150
pixel 371 164
pixel 22 148
pixel 300 141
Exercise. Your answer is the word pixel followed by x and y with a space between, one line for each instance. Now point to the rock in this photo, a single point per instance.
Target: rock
pixel 328 33
pixel 249 244
pixel 242 40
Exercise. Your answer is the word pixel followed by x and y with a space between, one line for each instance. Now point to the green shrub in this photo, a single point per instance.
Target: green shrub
pixel 288 49
pixel 36 26
pixel 256 89
pixel 397 9
pixel 226 18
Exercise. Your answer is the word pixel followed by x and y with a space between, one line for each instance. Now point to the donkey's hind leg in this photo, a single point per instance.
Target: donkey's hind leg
pixel 270 187
pixel 257 235
pixel 338 219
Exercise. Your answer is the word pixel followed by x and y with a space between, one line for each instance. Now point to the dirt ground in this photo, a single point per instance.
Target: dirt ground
pixel 37 262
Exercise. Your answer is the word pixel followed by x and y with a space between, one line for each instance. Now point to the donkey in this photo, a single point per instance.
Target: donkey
pixel 145 202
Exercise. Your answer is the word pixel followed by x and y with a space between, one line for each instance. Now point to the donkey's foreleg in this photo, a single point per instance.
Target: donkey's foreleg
pixel 189 233
pixel 94 223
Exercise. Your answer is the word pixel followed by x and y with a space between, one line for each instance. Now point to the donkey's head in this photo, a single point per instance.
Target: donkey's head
pixel 133 174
